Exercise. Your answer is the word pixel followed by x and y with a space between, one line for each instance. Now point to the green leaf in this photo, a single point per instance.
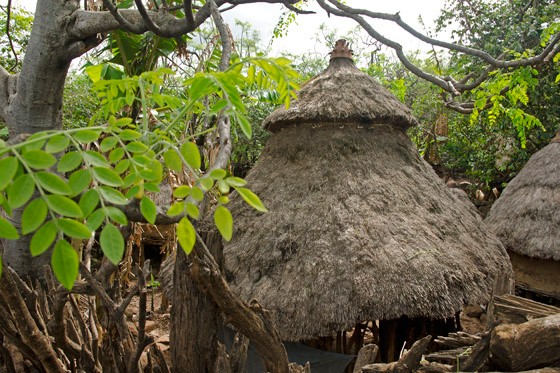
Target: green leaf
pixel 65 263
pixel 79 181
pixel 84 136
pixel 113 196
pixel 128 135
pixel 21 191
pixel 53 183
pixel 89 201
pixel 236 181
pixel 218 106
pixel 35 141
pixel 112 243
pixel 122 166
pixel 8 169
pixel 190 152
pixel 69 161
pixel 223 186
pixel 197 194
pixel 64 206
pixel 43 238
pixel 245 125
pixel 38 159
pixel 7 230
pixel 73 228
pixel 192 210
pixel 95 159
pixel 206 183
pixel 133 178
pixel 108 143
pixel 153 173
pixel 181 191
pixel 116 155
pixel 57 144
pixel 151 187
pixel 116 215
pixel 107 176
pixel 33 216
pixel 218 174
pixel 176 209
pixel 186 235
pixel 136 147
pixel 95 220
pixel 173 160
pixel 148 209
pixel 224 222
pixel 252 199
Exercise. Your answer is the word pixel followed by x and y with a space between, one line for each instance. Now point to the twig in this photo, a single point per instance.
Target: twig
pixel 9 35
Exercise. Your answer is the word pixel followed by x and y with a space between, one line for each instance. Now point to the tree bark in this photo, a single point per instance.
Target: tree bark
pixel 194 334
pixel 33 101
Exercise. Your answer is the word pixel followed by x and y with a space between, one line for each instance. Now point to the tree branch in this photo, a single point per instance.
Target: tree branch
pixel 446 83
pixel 9 35
pixel 162 22
pixel 252 320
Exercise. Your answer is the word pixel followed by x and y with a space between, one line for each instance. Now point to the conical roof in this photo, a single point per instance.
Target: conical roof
pixel 526 217
pixel 364 101
pixel 359 228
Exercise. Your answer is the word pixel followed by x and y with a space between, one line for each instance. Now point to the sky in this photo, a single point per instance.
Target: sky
pixel 301 35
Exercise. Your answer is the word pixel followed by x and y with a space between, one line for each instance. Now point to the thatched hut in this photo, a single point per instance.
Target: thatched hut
pixel 526 218
pixel 360 228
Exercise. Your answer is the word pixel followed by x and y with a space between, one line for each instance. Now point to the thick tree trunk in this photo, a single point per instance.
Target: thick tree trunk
pixel 35 102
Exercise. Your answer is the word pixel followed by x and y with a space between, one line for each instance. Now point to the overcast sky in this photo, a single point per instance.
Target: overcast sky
pixel 301 35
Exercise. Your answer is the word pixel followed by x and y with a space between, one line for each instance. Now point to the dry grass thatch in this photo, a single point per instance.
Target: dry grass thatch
pixel 364 101
pixel 359 228
pixel 527 215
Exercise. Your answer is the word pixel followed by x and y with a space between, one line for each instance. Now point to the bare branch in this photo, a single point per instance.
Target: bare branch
pixel 9 35
pixel 88 23
pixel 445 85
pixel 123 22
pixel 187 7
pixel 448 84
pixel 227 44
pixel 149 22
pixel 296 10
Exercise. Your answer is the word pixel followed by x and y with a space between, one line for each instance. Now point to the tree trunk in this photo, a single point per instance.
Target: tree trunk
pixel 193 323
pixel 36 103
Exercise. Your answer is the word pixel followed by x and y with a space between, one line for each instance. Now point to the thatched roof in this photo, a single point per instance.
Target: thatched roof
pixel 364 101
pixel 359 228
pixel 526 217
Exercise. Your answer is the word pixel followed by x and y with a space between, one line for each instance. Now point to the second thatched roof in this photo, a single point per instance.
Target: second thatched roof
pixel 526 217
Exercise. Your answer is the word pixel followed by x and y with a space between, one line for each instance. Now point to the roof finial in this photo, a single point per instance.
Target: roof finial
pixel 341 49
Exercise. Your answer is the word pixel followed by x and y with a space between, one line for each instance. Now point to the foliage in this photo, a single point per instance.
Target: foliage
pixel 102 168
pixel 80 101
pixel 20 29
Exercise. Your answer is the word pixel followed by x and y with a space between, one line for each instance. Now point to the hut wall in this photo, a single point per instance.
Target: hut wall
pixel 540 276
